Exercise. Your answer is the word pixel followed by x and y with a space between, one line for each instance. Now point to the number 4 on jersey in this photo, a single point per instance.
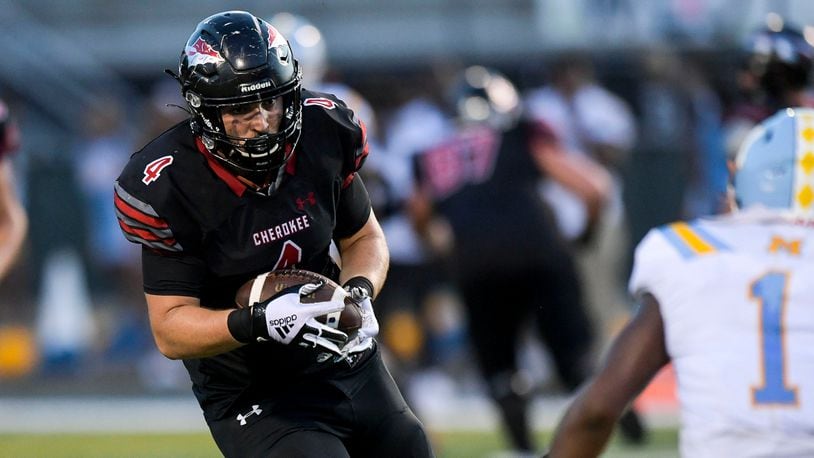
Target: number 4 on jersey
pixel 153 170
pixel 770 291
pixel 290 255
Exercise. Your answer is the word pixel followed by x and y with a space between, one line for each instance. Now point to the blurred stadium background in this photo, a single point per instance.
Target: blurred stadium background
pixel 85 80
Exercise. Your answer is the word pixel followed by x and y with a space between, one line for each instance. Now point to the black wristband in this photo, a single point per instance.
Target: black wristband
pixel 240 324
pixel 247 324
pixel 360 281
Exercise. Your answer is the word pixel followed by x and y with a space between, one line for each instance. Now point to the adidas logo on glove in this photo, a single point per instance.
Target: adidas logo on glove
pixel 283 325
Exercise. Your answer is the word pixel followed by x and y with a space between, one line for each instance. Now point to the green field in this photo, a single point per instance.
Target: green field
pixel 661 444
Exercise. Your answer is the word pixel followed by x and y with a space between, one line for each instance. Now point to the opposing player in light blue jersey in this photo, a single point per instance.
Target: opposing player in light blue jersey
pixel 730 301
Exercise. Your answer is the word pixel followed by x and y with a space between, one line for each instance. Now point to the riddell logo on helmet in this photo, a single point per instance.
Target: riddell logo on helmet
pixel 283 321
pixel 255 86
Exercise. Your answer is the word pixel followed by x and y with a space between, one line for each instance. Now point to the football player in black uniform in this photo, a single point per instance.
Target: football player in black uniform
pixel 510 261
pixel 263 176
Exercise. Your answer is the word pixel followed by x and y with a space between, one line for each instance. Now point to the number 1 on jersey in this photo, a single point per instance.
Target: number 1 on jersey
pixel 770 291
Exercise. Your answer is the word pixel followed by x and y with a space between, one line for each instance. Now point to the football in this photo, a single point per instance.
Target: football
pixel 268 284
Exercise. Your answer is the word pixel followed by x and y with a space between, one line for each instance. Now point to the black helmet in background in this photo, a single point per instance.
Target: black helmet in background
pixel 780 58
pixel 483 95
pixel 234 58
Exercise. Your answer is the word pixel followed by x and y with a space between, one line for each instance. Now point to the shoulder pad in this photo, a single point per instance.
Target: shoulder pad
pixel 141 224
pixel 664 248
pixel 351 131
pixel 691 239
pixel 143 192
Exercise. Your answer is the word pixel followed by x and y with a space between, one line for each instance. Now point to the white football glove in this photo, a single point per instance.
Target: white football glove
pixel 370 325
pixel 289 320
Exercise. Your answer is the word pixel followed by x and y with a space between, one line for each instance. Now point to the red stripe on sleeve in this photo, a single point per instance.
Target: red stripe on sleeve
pixel 134 213
pixel 145 234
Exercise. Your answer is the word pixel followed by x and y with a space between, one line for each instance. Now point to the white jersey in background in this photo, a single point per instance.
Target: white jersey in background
pixel 737 299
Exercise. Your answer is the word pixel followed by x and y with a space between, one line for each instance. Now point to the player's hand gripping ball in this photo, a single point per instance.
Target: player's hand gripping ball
pixel 268 284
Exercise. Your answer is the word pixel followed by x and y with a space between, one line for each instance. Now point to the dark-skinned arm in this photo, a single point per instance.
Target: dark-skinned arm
pixel 636 355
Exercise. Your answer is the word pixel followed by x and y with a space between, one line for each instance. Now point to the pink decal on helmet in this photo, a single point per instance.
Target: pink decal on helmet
pixel 275 37
pixel 202 52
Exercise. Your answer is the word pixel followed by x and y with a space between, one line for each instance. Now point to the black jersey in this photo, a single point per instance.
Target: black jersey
pixel 205 233
pixel 485 183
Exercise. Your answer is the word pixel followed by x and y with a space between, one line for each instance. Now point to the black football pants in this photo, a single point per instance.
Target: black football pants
pixel 319 420
pixel 501 303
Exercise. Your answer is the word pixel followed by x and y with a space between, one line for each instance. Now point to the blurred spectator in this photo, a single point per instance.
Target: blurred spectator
pixel 590 123
pixel 660 167
pixel 511 264
pixel 418 300
pixel 708 177
pixel 114 267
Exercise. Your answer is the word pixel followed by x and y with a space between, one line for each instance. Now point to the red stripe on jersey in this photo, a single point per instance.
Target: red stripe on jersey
pixel 134 213
pixel 234 184
pixel 291 164
pixel 348 180
pixel 145 234
pixel 357 162
pixel 366 148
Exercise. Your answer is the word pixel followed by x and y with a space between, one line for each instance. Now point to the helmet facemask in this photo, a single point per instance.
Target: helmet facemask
pixel 257 156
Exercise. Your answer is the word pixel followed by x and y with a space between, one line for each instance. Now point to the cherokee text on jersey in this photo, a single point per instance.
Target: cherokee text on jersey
pixel 281 230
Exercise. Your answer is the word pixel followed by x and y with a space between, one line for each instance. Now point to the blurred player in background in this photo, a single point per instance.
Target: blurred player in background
pixel 513 267
pixel 729 300
pixel 587 121
pixel 776 73
pixel 13 218
pixel 263 176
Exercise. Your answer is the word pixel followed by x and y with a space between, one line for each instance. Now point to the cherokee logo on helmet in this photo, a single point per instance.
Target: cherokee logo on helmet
pixel 202 52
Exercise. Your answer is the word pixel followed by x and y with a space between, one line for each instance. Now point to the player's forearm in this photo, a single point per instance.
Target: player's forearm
pixel 190 331
pixel 366 254
pixel 582 433
pixel 12 236
pixel 13 220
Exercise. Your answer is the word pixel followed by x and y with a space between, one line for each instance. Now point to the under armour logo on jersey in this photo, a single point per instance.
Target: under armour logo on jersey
pixel 309 199
pixel 153 169
pixel 256 410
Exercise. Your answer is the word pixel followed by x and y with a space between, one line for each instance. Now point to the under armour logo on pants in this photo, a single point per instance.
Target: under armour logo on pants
pixel 255 411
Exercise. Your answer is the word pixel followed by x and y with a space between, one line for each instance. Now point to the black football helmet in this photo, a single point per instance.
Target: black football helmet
pixel 234 58
pixel 483 95
pixel 780 59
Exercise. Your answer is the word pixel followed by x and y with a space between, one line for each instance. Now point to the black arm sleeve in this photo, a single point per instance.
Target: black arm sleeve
pixel 172 274
pixel 353 210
